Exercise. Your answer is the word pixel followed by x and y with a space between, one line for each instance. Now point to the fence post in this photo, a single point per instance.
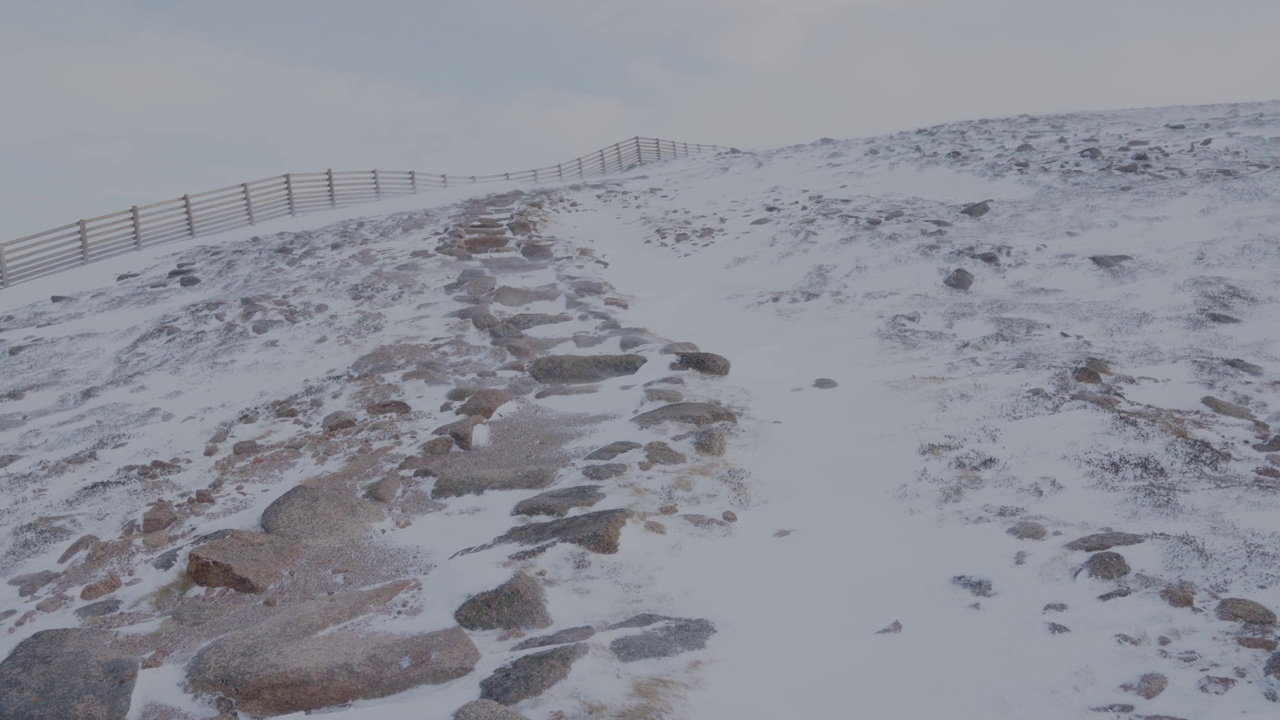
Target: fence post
pixel 4 269
pixel 84 242
pixel 413 182
pixel 618 147
pixel 137 229
pixel 377 187
pixel 639 155
pixel 580 175
pixel 333 197
pixel 191 220
pixel 560 171
pixel 248 202
pixel 288 191
pixel 604 164
pixel 535 177
pixel 445 178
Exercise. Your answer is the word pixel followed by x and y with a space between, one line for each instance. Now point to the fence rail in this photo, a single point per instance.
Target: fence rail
pixel 293 194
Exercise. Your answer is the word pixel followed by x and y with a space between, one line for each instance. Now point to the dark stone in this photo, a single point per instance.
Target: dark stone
pixel 613 450
pixel 703 362
pixel 977 210
pixel 825 383
pixel 1109 261
pixel 600 473
pixel 61 299
pixel 1092 153
pixel 518 603
pixel 98 609
pixel 574 369
pixel 597 531
pixel 245 447
pixel 478 481
pixel 695 413
pixel 1056 629
pixel 560 502
pixel 978 586
pixel 1245 367
pixel 672 637
pixel 563 637
pixel 1272 668
pixel 1104 541
pixel 166 560
pixel 709 441
pixel 461 431
pixel 1086 375
pixel 1106 565
pixel 1221 318
pixel 525 321
pixel 67 674
pixel 531 675
pixel 960 279
pixel 1115 594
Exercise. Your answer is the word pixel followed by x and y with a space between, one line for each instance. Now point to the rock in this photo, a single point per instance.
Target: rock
pixel 55 299
pixel 1222 318
pixel 385 490
pixel 1222 407
pixel 672 636
pixel 1109 261
pixel 287 664
pixel 660 453
pixel 485 243
pixel 575 369
pixel 515 297
pixel 531 675
pixel 676 348
pixel 536 251
pixel 98 609
pixel 1106 565
pixel 1179 595
pixel 31 583
pixel 1256 643
pixel 1086 375
pixel 600 473
pixel 245 447
pixel 631 342
pixel 518 603
pixel 461 431
pixel 1092 153
pixel 525 321
pixel 703 362
pixel 825 383
pixel 662 395
pixel 978 586
pixel 67 674
pixel 339 420
pixel 1114 709
pixel 1148 686
pixel 709 441
pixel 160 516
pixel 597 531
pixel 486 710
pixel 1244 366
pixel 694 413
pixel 484 403
pixel 703 521
pixel 560 502
pixel 1245 611
pixel 1103 541
pixel 388 407
pixel 1027 530
pixel 189 281
pixel 1215 685
pixel 1272 668
pixel 438 446
pixel 476 482
pixel 1115 594
pixel 613 450
pixel 977 210
pixel 53 603
pixel 1055 607
pixel 312 515
pixel 729 516
pixel 892 628
pixel 246 562
pixel 960 279
pixel 563 637
pixel 102 588
pixel 1057 629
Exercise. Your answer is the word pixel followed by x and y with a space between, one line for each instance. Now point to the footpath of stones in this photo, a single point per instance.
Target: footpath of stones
pixel 297 611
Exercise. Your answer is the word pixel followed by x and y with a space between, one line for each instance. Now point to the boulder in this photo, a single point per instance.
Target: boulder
pixel 603 472
pixel 709 441
pixel 1148 686
pixel 660 453
pixel 519 603
pixel 575 369
pixel 462 431
pixel 531 675
pixel 1245 611
pixel 312 515
pixel 670 636
pixel 536 251
pixel 245 447
pixel 563 637
pixel 388 407
pixel 160 516
pixel 288 664
pixel 340 420
pixel 613 450
pixel 1272 668
pixel 694 413
pixel 98 609
pixel 1104 541
pixel 515 297
pixel 486 710
pixel 825 383
pixel 67 674
pixel 1109 261
pixel 1106 565
pixel 1222 407
pixel 476 482
pixel 597 531
pixel 959 279
pixel 101 588
pixel 560 502
pixel 1027 530
pixel 246 562
pixel 31 583
pixel 977 210
pixel 980 587
pixel 662 395
pixel 703 362
pixel 525 321
pixel 484 403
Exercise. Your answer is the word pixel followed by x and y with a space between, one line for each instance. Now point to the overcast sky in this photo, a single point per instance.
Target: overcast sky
pixel 110 103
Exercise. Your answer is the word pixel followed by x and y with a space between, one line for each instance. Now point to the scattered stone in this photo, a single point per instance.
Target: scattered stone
pixel 1109 261
pixel 597 531
pixel 960 279
pixel 676 348
pixel 1106 566
pixel 30 583
pixel 67 674
pixel 1104 541
pixel 476 482
pixel 703 362
pixel 613 450
pixel 825 383
pixel 245 447
pixel 660 453
pixel 563 637
pixel 703 521
pixel 388 407
pixel 1055 607
pixel 1028 530
pixel 53 603
pixel 531 675
pixel 654 526
pixel 695 413
pixel 977 210
pixel 1222 407
pixel 576 369
pixel 1245 611
pixel 98 609
pixel 560 502
pixel 1056 629
pixel 486 710
pixel 978 586
pixel 672 637
pixel 1215 685
pixel 188 281
pixel 1092 153
pixel 1148 686
pixel 600 473
pixel 287 664
pixel 484 403
pixel 461 431
pixel 246 562
pixel 339 420
pixel 312 515
pixel 518 603
pixel 102 588
pixel 709 441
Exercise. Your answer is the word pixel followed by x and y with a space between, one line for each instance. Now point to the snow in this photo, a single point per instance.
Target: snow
pixel 956 415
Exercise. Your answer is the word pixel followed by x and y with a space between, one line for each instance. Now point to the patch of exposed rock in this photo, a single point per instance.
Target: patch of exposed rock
pixel 1106 565
pixel 531 675
pixel 486 710
pixel 246 562
pixel 476 482
pixel 560 502
pixel 1245 611
pixel 597 531
pixel 312 515
pixel 694 413
pixel 1104 541
pixel 613 450
pixel 600 473
pixel 672 636
pixel 703 362
pixel 67 674
pixel 563 637
pixel 518 603
pixel 576 369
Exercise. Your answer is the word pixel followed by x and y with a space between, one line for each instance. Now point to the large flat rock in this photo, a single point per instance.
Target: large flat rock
pixel 312 515
pixel 576 369
pixel 246 562
pixel 693 413
pixel 476 482
pixel 67 674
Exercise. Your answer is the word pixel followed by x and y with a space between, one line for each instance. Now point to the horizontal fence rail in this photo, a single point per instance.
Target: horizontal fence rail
pixel 293 194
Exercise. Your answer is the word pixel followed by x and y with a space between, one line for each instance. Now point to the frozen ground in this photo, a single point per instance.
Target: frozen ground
pixel 1110 366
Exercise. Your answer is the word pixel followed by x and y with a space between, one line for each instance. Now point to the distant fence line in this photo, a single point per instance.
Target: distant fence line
pixel 292 194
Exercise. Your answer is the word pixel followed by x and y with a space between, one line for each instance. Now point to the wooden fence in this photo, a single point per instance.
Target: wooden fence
pixel 293 194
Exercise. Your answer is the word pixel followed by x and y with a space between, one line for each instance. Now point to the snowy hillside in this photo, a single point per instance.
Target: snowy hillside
pixel 973 421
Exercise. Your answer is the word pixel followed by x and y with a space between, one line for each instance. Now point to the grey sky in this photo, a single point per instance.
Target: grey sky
pixel 109 103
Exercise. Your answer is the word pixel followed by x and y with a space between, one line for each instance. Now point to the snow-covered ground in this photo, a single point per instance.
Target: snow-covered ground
pixel 1109 366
